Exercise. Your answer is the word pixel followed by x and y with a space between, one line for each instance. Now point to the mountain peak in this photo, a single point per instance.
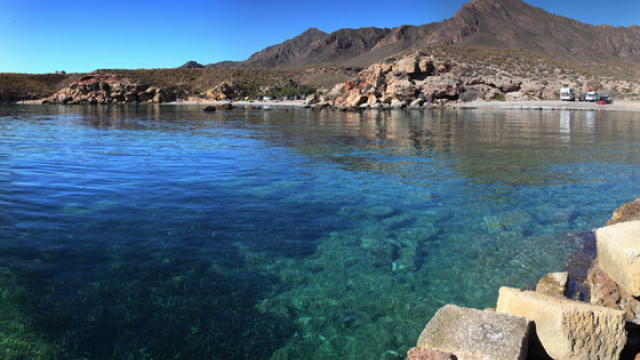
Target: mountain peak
pixel 191 65
pixel 488 23
pixel 313 32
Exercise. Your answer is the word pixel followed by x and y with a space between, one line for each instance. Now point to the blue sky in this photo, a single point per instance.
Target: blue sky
pixel 39 36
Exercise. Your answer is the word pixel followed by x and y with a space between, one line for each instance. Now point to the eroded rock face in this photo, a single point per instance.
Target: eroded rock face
pixel 417 76
pixel 626 212
pixel 619 254
pixel 605 292
pixel 568 329
pixel 475 334
pixel 429 354
pixel 107 89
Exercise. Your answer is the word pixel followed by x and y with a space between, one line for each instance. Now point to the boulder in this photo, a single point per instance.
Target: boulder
pixel 550 94
pixel 402 88
pixel 532 88
pixel 568 329
pixel 626 212
pixel 475 334
pixel 515 96
pixel 426 66
pixel 429 354
pixel 354 99
pixel 417 103
pixel 438 88
pixel 553 284
pixel 396 104
pixel 145 96
pixel 605 292
pixel 618 249
pixel 131 96
pixel 408 66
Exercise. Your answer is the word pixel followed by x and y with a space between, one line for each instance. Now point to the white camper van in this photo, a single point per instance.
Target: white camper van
pixel 567 94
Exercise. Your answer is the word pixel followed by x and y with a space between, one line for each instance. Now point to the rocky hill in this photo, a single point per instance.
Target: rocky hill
pixel 437 75
pixel 493 23
pixel 18 87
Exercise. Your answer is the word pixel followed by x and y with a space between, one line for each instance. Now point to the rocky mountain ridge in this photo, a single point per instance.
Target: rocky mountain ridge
pixel 493 23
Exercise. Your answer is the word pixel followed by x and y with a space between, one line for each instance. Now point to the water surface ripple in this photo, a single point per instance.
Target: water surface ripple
pixel 168 233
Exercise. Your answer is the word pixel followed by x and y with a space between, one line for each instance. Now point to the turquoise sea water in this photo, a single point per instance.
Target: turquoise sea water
pixel 170 233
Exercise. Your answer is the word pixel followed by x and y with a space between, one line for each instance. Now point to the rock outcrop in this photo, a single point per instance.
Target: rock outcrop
pixel 568 329
pixel 109 89
pixel 421 79
pixel 475 334
pixel 606 292
pixel 626 212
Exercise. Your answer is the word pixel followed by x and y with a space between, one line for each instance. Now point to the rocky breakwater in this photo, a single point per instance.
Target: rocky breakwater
pixel 545 324
pixel 110 89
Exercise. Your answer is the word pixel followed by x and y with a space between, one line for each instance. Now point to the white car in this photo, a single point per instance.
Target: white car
pixel 591 96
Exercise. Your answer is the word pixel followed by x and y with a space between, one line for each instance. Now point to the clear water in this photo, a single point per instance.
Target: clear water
pixel 170 233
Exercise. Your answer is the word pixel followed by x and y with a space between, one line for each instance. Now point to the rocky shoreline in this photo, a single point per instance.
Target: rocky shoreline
pixel 567 315
pixel 414 80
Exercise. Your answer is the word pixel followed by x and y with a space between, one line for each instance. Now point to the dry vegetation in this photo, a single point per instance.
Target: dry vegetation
pixel 472 59
pixel 34 86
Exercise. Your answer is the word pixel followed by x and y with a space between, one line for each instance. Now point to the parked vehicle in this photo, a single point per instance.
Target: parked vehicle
pixel 567 94
pixel 606 98
pixel 591 96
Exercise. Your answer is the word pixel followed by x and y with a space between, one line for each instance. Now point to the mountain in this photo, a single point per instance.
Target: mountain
pixel 191 65
pixel 493 23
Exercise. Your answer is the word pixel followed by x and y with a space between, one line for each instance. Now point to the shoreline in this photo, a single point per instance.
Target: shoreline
pixel 622 105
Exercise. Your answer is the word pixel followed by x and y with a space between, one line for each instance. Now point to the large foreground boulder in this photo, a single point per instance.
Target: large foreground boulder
pixel 619 254
pixel 568 329
pixel 474 334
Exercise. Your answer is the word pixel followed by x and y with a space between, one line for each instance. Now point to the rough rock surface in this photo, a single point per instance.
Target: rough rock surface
pixel 554 284
pixel 475 334
pixel 434 80
pixel 619 254
pixel 626 212
pixel 429 354
pixel 605 292
pixel 106 89
pixel 568 329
